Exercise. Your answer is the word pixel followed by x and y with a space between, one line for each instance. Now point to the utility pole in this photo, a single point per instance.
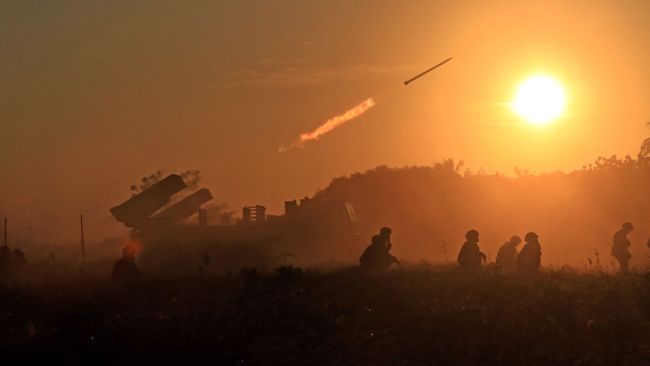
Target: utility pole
pixel 83 244
pixel 4 261
pixel 444 248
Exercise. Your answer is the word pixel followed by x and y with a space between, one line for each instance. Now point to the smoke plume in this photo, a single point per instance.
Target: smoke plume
pixel 330 124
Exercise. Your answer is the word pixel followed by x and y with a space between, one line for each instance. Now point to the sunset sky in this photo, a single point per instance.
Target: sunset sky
pixel 96 95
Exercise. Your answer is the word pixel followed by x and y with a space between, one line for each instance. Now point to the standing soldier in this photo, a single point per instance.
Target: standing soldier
pixel 621 245
pixel 470 255
pixel 507 255
pixel 530 256
pixel 19 260
pixel 125 271
pixel 5 263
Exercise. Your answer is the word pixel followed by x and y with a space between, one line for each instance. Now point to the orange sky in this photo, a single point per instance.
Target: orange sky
pixel 95 96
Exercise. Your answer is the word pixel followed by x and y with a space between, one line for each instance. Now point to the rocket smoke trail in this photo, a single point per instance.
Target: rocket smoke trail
pixel 330 124
pixel 349 115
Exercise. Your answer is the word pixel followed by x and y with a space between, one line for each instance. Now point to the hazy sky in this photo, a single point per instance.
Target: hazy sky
pixel 96 95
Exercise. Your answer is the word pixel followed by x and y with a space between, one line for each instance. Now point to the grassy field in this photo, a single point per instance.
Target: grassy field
pixel 419 314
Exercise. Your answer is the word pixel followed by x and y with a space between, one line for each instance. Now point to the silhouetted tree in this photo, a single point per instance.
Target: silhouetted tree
pixel 429 204
pixel 450 165
pixel 146 182
pixel 192 179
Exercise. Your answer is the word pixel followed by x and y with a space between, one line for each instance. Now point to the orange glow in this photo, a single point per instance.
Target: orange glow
pixel 539 100
pixel 134 245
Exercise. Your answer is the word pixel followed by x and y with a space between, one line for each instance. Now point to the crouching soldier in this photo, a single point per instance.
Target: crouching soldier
pixel 376 256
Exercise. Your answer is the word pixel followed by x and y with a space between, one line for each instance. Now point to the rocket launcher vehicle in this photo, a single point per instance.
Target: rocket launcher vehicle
pixel 138 211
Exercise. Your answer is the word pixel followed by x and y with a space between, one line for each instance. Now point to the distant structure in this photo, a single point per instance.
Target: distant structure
pixel 290 207
pixel 254 214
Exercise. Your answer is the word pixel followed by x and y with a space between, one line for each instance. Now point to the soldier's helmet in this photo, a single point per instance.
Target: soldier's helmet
pixel 472 235
pixel 531 236
pixel 628 226
pixel 515 239
pixel 385 231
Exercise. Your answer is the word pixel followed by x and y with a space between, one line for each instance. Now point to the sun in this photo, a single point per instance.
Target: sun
pixel 539 100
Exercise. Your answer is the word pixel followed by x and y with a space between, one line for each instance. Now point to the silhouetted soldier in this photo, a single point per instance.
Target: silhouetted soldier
pixel 384 234
pixel 19 260
pixel 368 256
pixel 388 259
pixel 376 256
pixel 125 271
pixel 530 256
pixel 5 262
pixel 507 255
pixel 621 245
pixel 470 256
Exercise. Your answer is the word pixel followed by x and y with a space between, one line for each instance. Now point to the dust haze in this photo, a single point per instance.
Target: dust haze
pixel 429 209
pixel 322 183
